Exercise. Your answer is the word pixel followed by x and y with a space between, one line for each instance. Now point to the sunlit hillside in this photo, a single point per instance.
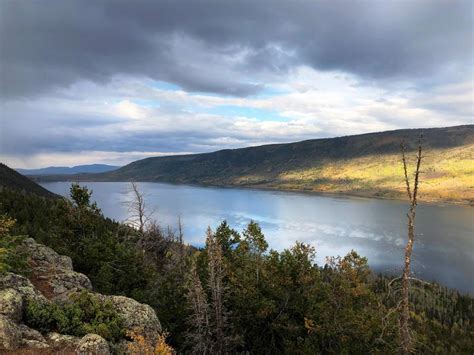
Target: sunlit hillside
pixel 363 165
pixel 448 174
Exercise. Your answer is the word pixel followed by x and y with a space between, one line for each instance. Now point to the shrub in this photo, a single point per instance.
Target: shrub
pixel 83 313
pixel 12 257
pixel 140 345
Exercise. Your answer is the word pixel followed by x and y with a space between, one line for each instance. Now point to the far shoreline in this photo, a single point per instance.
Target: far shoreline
pixel 368 195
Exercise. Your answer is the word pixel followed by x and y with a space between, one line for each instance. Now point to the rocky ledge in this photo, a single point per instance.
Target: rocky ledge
pixel 52 279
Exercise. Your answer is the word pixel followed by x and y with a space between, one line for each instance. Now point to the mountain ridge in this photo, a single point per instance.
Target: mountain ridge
pixel 66 170
pixel 9 178
pixel 336 165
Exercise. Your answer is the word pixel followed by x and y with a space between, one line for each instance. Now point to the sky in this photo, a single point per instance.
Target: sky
pixel 115 81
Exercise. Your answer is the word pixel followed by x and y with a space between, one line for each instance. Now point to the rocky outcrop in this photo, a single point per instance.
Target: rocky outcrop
pixel 10 336
pixel 52 273
pixel 93 344
pixel 136 316
pixel 12 304
pixel 53 279
pixel 32 339
pixel 23 286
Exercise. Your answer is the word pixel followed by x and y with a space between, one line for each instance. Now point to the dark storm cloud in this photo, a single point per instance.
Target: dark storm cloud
pixel 80 133
pixel 224 46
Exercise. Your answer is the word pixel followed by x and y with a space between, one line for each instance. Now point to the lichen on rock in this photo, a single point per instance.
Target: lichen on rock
pixel 136 316
pixel 11 304
pixel 31 338
pixel 23 286
pixel 52 273
pixel 10 336
pixel 92 344
pixel 53 280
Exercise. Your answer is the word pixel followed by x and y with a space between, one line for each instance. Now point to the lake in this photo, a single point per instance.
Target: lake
pixel 374 228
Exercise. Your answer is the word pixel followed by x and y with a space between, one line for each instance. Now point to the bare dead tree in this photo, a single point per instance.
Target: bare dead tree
pixel 138 214
pixel 412 192
pixel 180 240
pixel 211 332
pixel 152 240
pixel 216 287
pixel 200 337
pixel 180 231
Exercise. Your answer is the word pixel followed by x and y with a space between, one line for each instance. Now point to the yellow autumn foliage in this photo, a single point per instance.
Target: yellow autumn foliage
pixel 142 346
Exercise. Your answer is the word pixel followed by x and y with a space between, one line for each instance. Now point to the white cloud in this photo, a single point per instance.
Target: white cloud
pixel 128 109
pixel 77 158
pixel 109 123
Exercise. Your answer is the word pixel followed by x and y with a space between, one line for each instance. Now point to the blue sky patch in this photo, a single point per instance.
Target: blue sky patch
pixel 249 112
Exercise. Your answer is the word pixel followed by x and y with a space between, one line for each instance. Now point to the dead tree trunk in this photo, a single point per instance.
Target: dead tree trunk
pixel 137 207
pixel 216 286
pixel 405 334
pixel 200 336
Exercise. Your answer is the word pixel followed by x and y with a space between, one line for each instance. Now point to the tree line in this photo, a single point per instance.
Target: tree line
pixel 235 294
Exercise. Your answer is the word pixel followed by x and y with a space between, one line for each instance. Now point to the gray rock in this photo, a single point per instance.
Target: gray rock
pixel 31 338
pixel 33 345
pixel 53 273
pixel 23 286
pixel 64 283
pixel 61 341
pixel 30 333
pixel 11 304
pixel 93 344
pixel 44 257
pixel 137 316
pixel 53 279
pixel 10 335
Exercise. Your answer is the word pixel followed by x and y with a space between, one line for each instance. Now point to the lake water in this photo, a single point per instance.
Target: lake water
pixel 376 229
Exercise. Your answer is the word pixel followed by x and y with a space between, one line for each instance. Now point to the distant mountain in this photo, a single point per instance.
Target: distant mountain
pixel 366 165
pixel 11 179
pixel 64 170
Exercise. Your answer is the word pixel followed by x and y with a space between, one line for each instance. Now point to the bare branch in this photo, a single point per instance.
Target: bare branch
pixel 139 216
pixel 417 171
pixel 405 333
pixel 405 169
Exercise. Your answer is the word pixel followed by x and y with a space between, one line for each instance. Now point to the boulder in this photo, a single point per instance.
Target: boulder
pixel 61 341
pixel 93 344
pixel 23 286
pixel 52 279
pixel 11 304
pixel 52 273
pixel 63 283
pixel 32 339
pixel 44 257
pixel 10 335
pixel 137 316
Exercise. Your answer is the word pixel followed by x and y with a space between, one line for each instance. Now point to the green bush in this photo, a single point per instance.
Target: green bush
pixel 83 313
pixel 12 257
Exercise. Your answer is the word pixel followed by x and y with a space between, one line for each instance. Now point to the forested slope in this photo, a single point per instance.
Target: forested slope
pixel 254 300
pixel 9 178
pixel 366 165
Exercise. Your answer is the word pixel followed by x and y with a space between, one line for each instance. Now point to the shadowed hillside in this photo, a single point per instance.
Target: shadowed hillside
pixel 11 179
pixel 366 165
pixel 64 170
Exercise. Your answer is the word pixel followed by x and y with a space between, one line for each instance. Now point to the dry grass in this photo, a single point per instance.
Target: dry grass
pixel 448 175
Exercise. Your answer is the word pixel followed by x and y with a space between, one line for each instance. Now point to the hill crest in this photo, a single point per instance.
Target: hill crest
pixel 365 165
pixel 12 179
